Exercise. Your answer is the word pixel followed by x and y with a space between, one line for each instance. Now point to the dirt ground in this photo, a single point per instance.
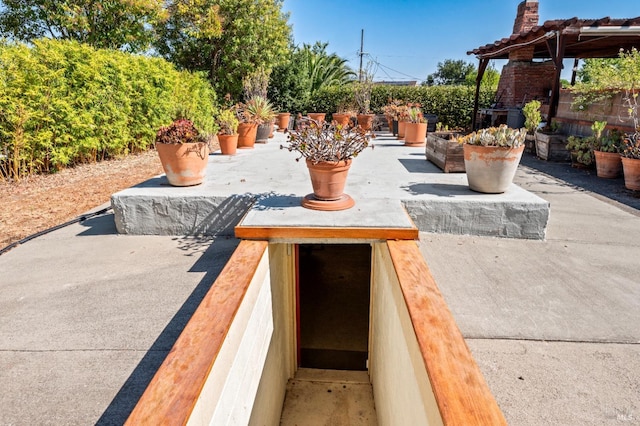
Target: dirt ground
pixel 40 202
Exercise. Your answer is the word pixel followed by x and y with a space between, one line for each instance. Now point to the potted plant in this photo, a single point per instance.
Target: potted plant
pixel 228 133
pixel 261 110
pixel 328 150
pixel 183 152
pixel 282 121
pixel 317 116
pixel 403 117
pixel 532 120
pixel 631 161
pixel 392 113
pixel 607 154
pixel 247 126
pixel 415 128
pixel 362 95
pixel 344 113
pixel 551 143
pixel 491 157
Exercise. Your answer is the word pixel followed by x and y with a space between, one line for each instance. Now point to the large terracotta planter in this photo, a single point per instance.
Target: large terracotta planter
pixel 318 116
pixel 608 164
pixel 342 119
pixel 328 180
pixel 401 129
pixel 247 135
pixel 631 169
pixel 366 121
pixel 184 164
pixel 415 134
pixel 282 120
pixel 262 134
pixel 490 169
pixel 228 144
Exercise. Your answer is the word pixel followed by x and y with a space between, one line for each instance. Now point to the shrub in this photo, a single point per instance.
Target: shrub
pixel 64 103
pixel 452 104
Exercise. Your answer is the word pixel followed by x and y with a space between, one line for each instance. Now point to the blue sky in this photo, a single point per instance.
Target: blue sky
pixel 409 37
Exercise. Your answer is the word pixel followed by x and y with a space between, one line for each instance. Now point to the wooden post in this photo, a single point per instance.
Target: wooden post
pixel 557 56
pixel 482 66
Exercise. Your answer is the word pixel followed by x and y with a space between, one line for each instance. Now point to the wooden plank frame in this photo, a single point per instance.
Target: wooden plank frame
pixel 461 392
pixel 173 392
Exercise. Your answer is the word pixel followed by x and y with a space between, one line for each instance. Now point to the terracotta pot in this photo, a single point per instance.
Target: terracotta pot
pixel 631 168
pixel 415 134
pixel 271 126
pixel 608 164
pixel 342 119
pixel 283 121
pixel 401 129
pixel 247 135
pixel 490 169
pixel 184 164
pixel 228 144
pixel 318 116
pixel 328 179
pixel 366 121
pixel 262 134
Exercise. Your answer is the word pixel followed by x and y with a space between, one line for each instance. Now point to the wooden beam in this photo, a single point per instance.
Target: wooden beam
pixel 172 393
pixel 301 232
pixel 482 66
pixel 558 57
pixel 462 394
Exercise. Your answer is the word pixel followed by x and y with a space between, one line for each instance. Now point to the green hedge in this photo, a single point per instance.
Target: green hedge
pixel 452 104
pixel 64 103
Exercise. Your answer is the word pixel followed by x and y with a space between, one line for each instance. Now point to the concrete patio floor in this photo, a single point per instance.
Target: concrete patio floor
pixel 87 315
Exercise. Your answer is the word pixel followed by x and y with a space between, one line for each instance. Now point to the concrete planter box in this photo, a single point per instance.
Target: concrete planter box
pixel 552 146
pixel 444 152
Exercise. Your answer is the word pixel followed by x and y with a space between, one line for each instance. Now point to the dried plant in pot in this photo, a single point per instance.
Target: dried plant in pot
pixel 328 150
pixel 183 152
pixel 491 157
pixel 631 161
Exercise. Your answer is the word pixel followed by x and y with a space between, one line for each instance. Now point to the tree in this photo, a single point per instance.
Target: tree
pixel 227 38
pixel 451 72
pixel 307 71
pixel 115 24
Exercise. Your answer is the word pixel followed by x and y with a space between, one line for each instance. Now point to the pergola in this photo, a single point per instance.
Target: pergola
pixel 560 39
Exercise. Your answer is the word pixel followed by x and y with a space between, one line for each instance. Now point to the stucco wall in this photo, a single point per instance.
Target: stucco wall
pixel 401 387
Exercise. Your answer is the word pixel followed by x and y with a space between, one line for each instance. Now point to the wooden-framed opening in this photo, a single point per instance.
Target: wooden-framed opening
pixel 333 295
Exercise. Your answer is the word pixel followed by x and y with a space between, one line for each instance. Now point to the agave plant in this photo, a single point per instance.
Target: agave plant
pixel 259 110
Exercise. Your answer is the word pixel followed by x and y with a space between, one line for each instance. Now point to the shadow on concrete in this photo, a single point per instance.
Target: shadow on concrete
pixel 419 165
pixel 274 201
pixel 225 216
pixel 439 189
pixel 581 179
pixel 214 254
pixel 99 225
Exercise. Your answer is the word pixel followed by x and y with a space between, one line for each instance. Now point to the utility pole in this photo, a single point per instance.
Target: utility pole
pixel 361 54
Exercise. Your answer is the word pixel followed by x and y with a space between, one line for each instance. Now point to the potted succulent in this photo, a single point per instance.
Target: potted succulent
pixel 532 120
pixel 403 117
pixel 491 157
pixel 183 152
pixel 415 128
pixel 261 110
pixel 392 113
pixel 581 150
pixel 328 150
pixel 607 154
pixel 551 143
pixel 247 127
pixel 228 133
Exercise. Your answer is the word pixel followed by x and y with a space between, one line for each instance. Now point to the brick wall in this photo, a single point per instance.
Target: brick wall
pixel 523 81
pixel 610 110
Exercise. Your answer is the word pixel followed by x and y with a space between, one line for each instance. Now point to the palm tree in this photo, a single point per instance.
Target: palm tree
pixel 325 69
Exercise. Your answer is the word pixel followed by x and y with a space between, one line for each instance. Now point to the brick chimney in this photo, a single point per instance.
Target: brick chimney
pixel 527 16
pixel 522 79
